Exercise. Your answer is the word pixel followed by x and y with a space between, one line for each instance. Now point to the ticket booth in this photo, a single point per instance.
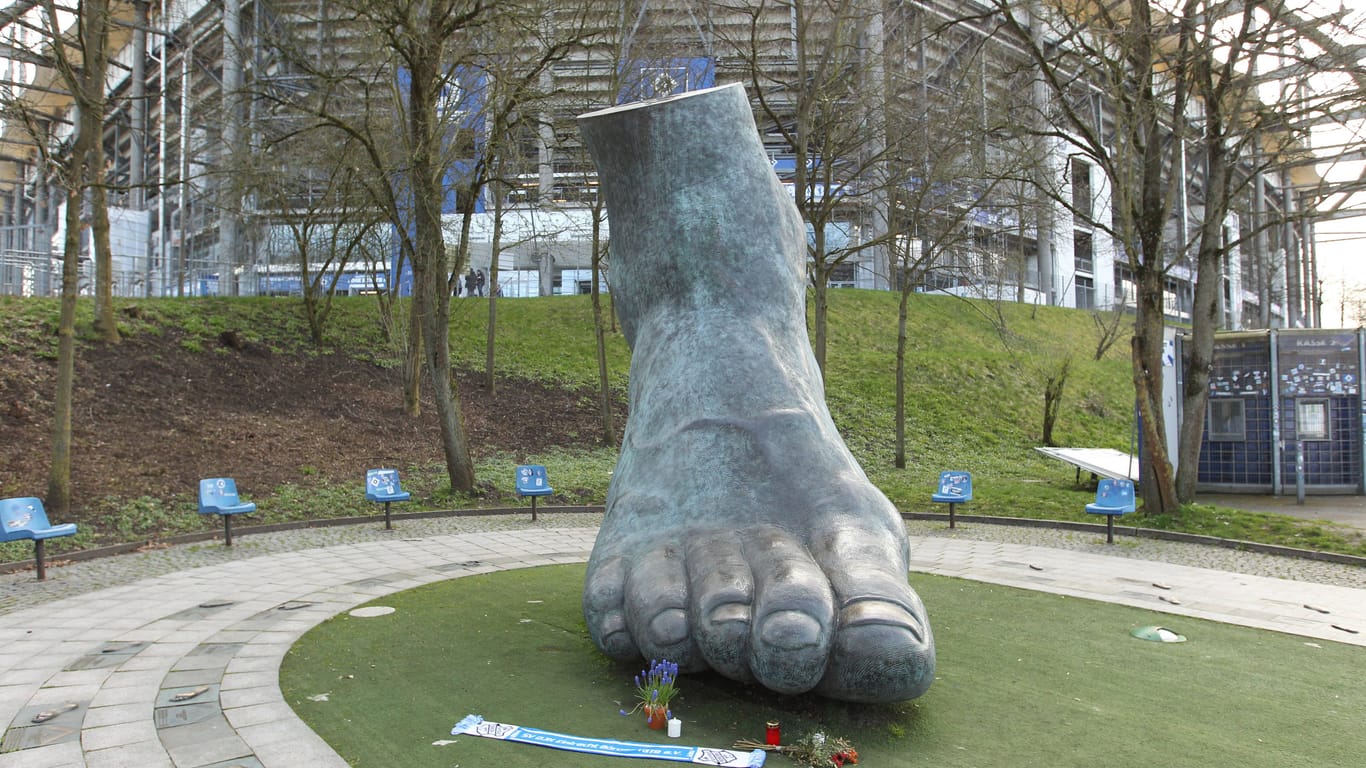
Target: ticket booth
pixel 1285 408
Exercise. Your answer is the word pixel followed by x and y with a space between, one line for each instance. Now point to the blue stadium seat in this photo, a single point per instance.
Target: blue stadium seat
pixel 532 481
pixel 25 518
pixel 218 496
pixel 954 488
pixel 382 485
pixel 1113 498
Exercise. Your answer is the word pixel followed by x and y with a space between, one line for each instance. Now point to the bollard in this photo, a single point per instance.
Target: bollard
pixel 1299 472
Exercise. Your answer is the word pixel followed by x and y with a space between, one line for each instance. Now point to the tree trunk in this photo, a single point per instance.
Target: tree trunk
pixel 308 286
pixel 609 430
pixel 1053 388
pixel 1204 324
pixel 105 323
pixel 1150 218
pixel 436 342
pixel 94 26
pixel 95 43
pixel 821 316
pixel 412 357
pixel 59 474
pixel 1158 489
pixel 902 306
pixel 431 292
pixel 494 247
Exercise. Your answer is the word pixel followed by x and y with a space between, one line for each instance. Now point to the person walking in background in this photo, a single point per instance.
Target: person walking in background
pixel 479 282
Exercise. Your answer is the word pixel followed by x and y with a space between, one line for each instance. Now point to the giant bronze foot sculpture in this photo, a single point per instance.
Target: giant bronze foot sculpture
pixel 740 533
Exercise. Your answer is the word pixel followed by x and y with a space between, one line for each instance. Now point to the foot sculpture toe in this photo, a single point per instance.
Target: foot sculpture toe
pixel 881 653
pixel 604 609
pixel 657 606
pixel 721 600
pixel 794 613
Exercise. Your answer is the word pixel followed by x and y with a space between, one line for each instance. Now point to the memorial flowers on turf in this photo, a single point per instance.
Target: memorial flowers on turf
pixel 655 687
pixel 815 750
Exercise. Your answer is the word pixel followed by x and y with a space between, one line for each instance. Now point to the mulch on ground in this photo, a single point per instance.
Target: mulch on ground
pixel 151 418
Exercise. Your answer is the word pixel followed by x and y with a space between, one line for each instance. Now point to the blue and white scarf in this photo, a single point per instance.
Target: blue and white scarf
pixel 474 725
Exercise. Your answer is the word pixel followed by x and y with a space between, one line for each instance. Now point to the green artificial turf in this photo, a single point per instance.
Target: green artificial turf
pixel 1023 679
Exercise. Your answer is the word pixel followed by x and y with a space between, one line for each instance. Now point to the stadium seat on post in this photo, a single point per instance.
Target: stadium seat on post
pixel 25 518
pixel 1113 498
pixel 218 496
pixel 954 489
pixel 382 485
pixel 532 481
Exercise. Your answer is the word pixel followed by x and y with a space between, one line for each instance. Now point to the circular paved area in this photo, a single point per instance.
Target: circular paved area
pixel 170 657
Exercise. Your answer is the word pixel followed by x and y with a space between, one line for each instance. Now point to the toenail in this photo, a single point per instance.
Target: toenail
pixel 791 631
pixel 877 612
pixel 729 612
pixel 612 624
pixel 670 627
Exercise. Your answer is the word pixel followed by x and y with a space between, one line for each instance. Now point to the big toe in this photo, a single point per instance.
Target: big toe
pixel 883 648
pixel 882 652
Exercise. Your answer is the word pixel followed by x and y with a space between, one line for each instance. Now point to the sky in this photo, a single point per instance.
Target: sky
pixel 1341 247
pixel 1341 243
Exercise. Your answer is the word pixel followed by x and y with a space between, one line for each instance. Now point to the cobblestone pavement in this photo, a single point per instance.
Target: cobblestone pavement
pixel 170 657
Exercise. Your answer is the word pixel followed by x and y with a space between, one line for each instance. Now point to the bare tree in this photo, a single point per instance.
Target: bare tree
pixel 809 63
pixel 1169 104
pixel 319 220
pixel 450 73
pixel 521 103
pixel 936 183
pixel 640 50
pixel 1253 122
pixel 1108 101
pixel 79 55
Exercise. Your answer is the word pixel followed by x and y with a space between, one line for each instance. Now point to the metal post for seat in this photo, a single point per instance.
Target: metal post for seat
pixel 227 530
pixel 38 559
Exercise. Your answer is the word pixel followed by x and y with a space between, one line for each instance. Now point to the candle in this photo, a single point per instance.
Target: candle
pixel 773 736
pixel 675 728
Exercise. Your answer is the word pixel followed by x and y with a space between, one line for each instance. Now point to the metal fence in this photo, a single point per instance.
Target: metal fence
pixel 29 273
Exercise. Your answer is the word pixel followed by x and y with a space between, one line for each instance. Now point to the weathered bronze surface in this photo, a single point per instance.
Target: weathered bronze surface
pixel 740 533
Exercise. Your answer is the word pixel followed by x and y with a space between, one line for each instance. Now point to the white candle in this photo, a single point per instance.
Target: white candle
pixel 675 728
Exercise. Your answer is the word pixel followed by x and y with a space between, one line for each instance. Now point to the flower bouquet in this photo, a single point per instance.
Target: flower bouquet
pixel 655 688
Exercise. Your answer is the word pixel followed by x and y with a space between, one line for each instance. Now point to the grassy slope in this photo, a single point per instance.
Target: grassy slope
pixel 974 390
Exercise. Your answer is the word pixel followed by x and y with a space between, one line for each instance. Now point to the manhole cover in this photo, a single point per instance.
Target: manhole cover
pixel 1158 634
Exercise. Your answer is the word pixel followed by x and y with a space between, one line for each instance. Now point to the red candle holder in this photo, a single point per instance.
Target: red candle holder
pixel 773 735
